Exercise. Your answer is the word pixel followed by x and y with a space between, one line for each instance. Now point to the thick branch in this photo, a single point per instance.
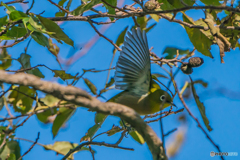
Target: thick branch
pixel 82 98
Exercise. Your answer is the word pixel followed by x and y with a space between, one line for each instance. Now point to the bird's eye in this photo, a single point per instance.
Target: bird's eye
pixel 162 97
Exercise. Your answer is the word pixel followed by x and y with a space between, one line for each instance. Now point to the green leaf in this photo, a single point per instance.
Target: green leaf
pixel 17 15
pixel 50 100
pixel 99 119
pixel 84 7
pixel 40 39
pixel 150 27
pixel 34 25
pixel 63 75
pixel 109 8
pixel 61 2
pixel 24 59
pixel 60 14
pixel 200 41
pixel 114 130
pixel 120 38
pixel 63 147
pixel 142 21
pixel 111 81
pixel 91 86
pixel 22 102
pixel 53 27
pixel 212 2
pixel 172 51
pixel 5 59
pixel 53 48
pixel 14 33
pixel 204 84
pixel 155 17
pixel 201 107
pixel 178 3
pixel 157 75
pixel 3 21
pixel 44 116
pixel 90 133
pixel 12 156
pixel 62 117
pixel 9 8
pixel 165 5
pixel 137 137
pixel 11 147
pixel 1 103
pixel 37 73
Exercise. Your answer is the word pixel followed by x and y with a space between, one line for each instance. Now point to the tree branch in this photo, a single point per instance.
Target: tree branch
pixel 94 143
pixel 82 98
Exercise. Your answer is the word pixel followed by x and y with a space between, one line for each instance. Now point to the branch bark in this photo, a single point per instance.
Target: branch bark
pixel 82 98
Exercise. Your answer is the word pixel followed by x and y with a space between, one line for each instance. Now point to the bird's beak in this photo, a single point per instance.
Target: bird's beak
pixel 173 104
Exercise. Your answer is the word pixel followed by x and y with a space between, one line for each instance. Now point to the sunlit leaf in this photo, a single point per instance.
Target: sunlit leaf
pixel 137 137
pixel 91 86
pixel 201 107
pixel 62 117
pixel 5 59
pixel 22 98
pixel 11 147
pixel 53 27
pixel 63 147
pixel 155 17
pixel 200 41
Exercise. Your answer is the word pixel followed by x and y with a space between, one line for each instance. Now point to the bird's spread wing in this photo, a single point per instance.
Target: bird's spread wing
pixel 133 66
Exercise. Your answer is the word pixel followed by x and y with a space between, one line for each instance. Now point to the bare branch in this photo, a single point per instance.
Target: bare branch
pixel 82 98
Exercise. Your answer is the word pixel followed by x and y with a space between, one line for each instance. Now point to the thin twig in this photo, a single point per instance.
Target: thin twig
pixel 190 113
pixel 30 147
pixel 101 35
pixel 171 131
pixel 61 8
pixel 170 113
pixel 94 143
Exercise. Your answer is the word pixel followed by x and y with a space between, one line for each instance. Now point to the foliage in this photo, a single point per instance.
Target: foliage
pixel 217 27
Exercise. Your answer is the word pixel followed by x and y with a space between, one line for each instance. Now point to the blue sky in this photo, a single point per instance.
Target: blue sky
pixel 222 109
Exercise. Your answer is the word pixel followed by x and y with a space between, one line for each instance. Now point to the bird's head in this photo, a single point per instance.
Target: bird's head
pixel 160 99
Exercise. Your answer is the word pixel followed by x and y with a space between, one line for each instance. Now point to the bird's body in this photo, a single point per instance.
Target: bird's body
pixel 143 104
pixel 133 75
